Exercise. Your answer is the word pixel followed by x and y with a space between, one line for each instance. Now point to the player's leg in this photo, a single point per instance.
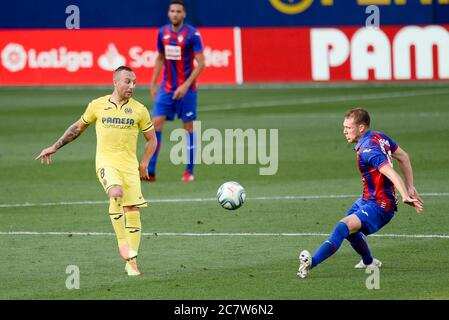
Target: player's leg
pixel 373 218
pixel 164 109
pixel 359 244
pixel 187 112
pixel 191 149
pixel 117 216
pixel 133 227
pixel 357 239
pixel 112 183
pixel 132 202
pixel 158 123
pixel 116 213
pixel 133 235
pixel 344 227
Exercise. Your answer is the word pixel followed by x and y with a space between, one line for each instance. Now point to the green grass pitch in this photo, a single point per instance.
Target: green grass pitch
pixel 194 249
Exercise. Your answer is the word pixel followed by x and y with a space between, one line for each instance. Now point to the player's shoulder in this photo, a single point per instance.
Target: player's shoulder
pixel 371 143
pixel 192 29
pixel 380 135
pixel 100 100
pixel 377 141
pixel 368 143
pixel 133 103
pixel 163 28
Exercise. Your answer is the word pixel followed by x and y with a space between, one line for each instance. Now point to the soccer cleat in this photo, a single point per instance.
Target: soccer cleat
pixel 375 263
pixel 305 261
pixel 131 268
pixel 126 252
pixel 187 177
pixel 151 178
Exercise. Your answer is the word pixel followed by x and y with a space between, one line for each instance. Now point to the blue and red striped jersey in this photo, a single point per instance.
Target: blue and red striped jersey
pixel 374 151
pixel 179 49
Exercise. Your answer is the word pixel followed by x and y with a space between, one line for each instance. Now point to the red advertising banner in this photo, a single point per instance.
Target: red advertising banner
pixel 274 54
pixel 219 53
pixel 87 56
pixel 346 54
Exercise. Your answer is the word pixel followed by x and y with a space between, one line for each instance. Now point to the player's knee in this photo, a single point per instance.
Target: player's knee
pixel 158 123
pixel 188 126
pixel 159 126
pixel 115 192
pixel 352 222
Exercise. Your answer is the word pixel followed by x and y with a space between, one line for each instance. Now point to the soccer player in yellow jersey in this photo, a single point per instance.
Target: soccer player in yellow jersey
pixel 118 119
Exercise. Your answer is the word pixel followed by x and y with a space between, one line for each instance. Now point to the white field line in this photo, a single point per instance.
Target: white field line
pixel 315 100
pixel 215 234
pixel 175 200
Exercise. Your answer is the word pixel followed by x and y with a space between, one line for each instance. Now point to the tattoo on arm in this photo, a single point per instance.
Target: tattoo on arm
pixel 71 134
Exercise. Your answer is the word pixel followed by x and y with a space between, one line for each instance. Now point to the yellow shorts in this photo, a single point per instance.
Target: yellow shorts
pixel 130 183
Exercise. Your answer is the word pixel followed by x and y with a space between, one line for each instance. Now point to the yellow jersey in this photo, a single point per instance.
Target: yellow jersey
pixel 117 129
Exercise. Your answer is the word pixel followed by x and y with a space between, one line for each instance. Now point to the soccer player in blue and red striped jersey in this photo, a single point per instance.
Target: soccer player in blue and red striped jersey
pixel 179 45
pixel 378 203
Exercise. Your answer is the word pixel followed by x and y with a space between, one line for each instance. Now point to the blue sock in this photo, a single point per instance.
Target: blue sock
pixel 153 161
pixel 191 152
pixel 330 246
pixel 359 244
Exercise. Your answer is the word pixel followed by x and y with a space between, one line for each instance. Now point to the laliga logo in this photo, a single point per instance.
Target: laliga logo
pixel 14 57
pixel 295 7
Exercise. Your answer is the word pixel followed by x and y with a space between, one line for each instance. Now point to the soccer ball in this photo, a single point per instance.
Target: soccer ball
pixel 231 195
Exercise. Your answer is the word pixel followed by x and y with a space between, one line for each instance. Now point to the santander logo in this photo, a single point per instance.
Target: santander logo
pixel 111 59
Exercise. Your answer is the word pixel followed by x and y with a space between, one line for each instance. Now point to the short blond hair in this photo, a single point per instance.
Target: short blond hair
pixel 359 115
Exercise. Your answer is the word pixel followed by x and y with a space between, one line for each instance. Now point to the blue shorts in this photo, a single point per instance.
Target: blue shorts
pixel 373 217
pixel 184 108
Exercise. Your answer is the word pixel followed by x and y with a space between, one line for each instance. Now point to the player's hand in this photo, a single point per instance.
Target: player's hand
pixel 45 155
pixel 144 171
pixel 414 194
pixel 153 91
pixel 416 203
pixel 180 91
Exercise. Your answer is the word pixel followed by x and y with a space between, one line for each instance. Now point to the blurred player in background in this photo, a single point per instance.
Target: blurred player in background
pixel 179 45
pixel 378 203
pixel 118 119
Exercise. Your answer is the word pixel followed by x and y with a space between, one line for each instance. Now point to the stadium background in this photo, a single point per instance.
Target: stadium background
pixel 55 216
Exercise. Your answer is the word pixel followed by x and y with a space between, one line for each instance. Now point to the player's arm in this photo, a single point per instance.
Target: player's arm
pixel 150 147
pixel 159 63
pixel 200 65
pixel 388 171
pixel 72 132
pixel 406 168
